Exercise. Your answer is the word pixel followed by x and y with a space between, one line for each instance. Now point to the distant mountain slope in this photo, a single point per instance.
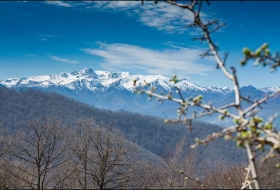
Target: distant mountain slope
pixel 114 90
pixel 98 81
pixel 147 131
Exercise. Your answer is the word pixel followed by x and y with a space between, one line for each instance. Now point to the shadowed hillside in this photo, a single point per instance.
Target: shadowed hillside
pixel 147 131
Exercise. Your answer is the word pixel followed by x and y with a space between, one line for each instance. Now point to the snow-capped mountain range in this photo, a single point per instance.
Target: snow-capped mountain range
pixel 102 80
pixel 114 90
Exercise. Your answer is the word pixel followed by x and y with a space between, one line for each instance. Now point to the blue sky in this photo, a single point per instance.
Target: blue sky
pixel 47 37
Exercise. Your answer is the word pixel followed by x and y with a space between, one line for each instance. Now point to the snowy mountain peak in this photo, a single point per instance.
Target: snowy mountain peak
pixel 101 80
pixel 87 71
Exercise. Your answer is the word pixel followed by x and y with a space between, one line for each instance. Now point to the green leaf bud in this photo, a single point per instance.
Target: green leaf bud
pixel 239 143
pixel 244 134
pixel 265 45
pixel 258 120
pixel 246 51
pixel 235 120
pixel 268 126
pixel 267 52
pixel 258 52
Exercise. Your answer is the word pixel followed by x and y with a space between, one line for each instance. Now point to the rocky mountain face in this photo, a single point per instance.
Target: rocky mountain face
pixel 114 90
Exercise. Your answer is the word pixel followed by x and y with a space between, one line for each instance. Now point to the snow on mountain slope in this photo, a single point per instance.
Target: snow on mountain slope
pixel 270 89
pixel 89 79
pixel 113 90
pixel 101 80
pixel 9 82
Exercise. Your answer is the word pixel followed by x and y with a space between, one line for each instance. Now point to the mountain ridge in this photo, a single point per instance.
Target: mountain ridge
pixel 114 90
pixel 105 79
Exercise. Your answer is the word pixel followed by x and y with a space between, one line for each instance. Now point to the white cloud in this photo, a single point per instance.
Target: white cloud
pixel 180 61
pixel 161 16
pixel 116 4
pixel 58 3
pixel 64 60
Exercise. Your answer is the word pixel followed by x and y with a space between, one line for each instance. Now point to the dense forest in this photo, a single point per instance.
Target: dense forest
pixel 18 107
pixel 51 141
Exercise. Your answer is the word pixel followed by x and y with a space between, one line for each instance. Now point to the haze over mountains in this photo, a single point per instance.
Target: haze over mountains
pixel 114 90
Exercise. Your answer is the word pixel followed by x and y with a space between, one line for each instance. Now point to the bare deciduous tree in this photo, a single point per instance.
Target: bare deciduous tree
pixel 64 176
pixel 270 175
pixel 175 171
pixel 177 164
pixel 37 151
pixel 104 157
pixel 113 159
pixel 223 176
pixel 8 181
pixel 5 142
pixel 82 151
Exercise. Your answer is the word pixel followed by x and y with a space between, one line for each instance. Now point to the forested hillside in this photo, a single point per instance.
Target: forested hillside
pixel 114 91
pixel 18 107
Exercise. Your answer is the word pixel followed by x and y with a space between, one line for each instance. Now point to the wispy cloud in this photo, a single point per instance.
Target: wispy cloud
pixel 161 16
pixel 64 60
pixel 58 3
pixel 48 35
pixel 123 56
